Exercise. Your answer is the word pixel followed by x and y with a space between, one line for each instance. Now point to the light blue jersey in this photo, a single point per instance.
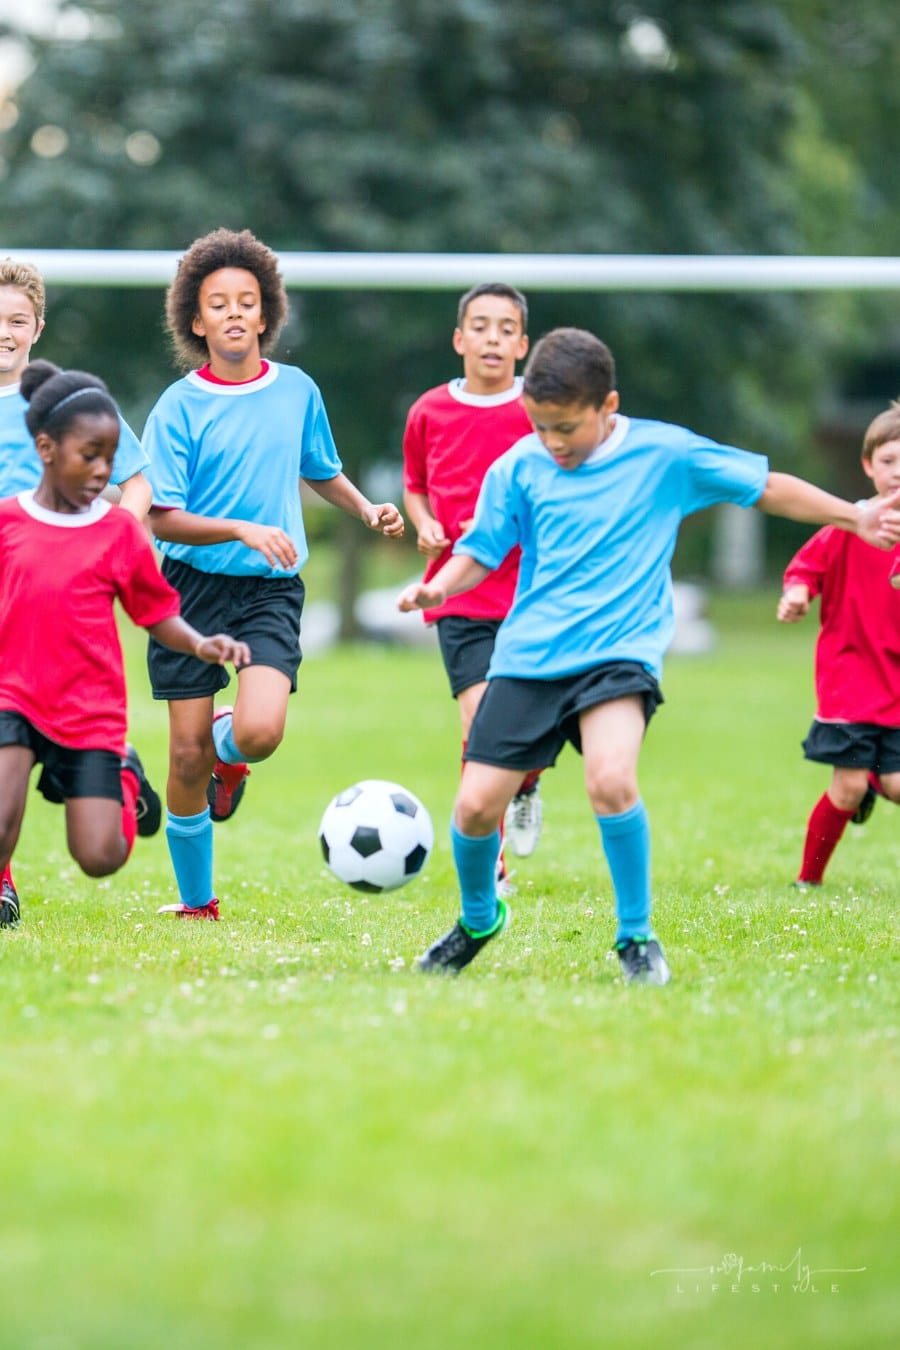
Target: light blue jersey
pixel 597 541
pixel 20 466
pixel 238 452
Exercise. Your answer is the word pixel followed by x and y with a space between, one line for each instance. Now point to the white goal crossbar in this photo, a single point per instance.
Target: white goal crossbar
pixel 534 271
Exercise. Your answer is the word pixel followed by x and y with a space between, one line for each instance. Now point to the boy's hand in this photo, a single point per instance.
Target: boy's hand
pixel 432 540
pixel 386 518
pixel 420 595
pixel 219 648
pixel 276 547
pixel 879 521
pixel 794 603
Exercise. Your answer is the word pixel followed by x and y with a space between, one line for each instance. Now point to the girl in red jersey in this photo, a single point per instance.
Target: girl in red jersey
pixel 857 723
pixel 66 554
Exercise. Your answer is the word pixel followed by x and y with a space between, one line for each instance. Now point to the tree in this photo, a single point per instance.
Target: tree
pixel 456 125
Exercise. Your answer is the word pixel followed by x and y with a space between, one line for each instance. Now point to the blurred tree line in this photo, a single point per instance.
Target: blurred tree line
pixel 637 126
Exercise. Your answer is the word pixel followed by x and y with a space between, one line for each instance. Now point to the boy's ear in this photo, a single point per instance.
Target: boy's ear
pixel 458 340
pixel 197 326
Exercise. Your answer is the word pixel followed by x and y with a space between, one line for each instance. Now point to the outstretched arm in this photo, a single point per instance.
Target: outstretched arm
pixel 877 521
pixel 459 573
pixel 339 491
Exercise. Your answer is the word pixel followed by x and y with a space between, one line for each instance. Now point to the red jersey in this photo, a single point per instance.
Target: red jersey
pixel 858 648
pixel 451 440
pixel 60 658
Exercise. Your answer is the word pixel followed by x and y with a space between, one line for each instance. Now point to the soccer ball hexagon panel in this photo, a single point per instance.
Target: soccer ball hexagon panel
pixel 376 835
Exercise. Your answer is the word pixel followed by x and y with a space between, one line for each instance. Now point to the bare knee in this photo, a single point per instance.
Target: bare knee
pixel 98 859
pixel 611 789
pixel 191 760
pixel 259 741
pixel 476 815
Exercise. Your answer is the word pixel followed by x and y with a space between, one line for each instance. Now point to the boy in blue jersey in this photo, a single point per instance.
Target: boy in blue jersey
pixel 22 305
pixel 595 500
pixel 228 445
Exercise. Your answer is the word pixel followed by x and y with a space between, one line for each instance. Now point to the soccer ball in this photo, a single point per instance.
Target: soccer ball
pixel 376 835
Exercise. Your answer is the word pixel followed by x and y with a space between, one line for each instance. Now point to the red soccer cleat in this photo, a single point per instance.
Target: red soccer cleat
pixel 180 911
pixel 226 786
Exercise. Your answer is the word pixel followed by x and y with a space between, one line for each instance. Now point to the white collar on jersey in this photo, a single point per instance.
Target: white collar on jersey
pixel 74 521
pixel 612 442
pixel 233 390
pixel 7 390
pixel 457 391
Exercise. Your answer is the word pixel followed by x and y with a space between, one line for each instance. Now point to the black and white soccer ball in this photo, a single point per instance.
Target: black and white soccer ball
pixel 376 835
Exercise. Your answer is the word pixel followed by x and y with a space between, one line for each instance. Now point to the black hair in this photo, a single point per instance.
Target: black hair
pixel 212 252
pixel 56 397
pixel 493 288
pixel 570 365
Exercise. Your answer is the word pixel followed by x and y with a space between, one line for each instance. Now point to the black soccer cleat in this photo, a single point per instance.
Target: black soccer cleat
pixel 457 948
pixel 865 808
pixel 148 807
pixel 642 961
pixel 9 905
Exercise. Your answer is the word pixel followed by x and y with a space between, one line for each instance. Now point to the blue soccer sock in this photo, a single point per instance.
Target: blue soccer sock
pixel 476 867
pixel 190 840
pixel 626 843
pixel 223 740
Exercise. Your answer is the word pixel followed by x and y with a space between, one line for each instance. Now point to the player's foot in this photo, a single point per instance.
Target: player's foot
pixel 226 786
pixel 148 807
pixel 523 820
pixel 865 808
pixel 180 911
pixel 9 905
pixel 458 947
pixel 505 884
pixel 801 885
pixel 642 961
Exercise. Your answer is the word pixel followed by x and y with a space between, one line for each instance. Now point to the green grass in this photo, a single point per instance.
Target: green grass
pixel 271 1133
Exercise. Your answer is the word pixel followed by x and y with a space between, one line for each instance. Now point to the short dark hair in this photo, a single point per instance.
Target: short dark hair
pixel 56 397
pixel 222 248
pixel 570 365
pixel 493 288
pixel 885 427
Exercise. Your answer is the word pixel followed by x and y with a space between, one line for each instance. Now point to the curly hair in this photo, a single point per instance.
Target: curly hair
pixel 27 279
pixel 222 248
pixel 56 397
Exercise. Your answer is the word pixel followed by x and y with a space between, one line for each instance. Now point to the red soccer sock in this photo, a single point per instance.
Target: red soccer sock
pixel 823 832
pixel 130 790
pixel 529 781
pixel 8 876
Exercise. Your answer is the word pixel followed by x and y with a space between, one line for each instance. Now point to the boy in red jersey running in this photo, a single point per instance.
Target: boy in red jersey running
pixel 453 434
pixel 65 556
pixel 857 724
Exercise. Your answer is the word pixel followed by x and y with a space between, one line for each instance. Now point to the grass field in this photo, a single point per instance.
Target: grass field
pixel 272 1133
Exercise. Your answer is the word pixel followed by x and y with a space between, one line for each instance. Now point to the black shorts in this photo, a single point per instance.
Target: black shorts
pixel 524 724
pixel 467 646
pixel 66 772
pixel 264 612
pixel 854 745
